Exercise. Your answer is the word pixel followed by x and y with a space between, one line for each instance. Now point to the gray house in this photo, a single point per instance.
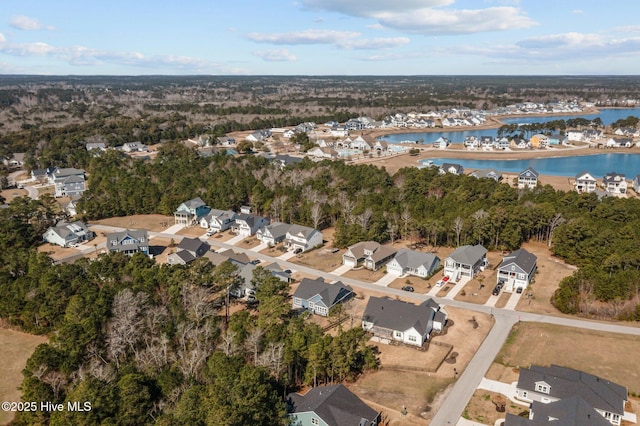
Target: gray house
pixel 391 319
pixel 465 261
pixel 413 263
pixel 569 411
pixel 248 224
pixel 128 242
pixel 555 383
pixel 218 220
pixel 368 253
pixel 333 405
pixel 452 168
pixel 237 259
pixel 67 182
pixel 319 297
pixel 189 250
pixel 487 174
pixel 66 234
pixel 517 269
pixel 274 233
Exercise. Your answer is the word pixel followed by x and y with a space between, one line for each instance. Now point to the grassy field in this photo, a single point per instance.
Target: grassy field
pixel 15 349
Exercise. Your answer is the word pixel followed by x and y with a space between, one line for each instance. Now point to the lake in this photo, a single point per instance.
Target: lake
pixel 607 116
pixel 598 165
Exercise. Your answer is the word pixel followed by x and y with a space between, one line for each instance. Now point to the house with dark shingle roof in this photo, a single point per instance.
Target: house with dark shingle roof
pixel 615 183
pixel 303 238
pixel 584 182
pixel 332 405
pixel 465 261
pixel 517 269
pixel 66 234
pixel 453 168
pixel 368 253
pixel 218 220
pixel 216 258
pixel 319 297
pixel 528 178
pixel 555 383
pixel 404 322
pixel 273 234
pixel 190 212
pixel 189 250
pixel 414 263
pixel 573 411
pixel 487 174
pixel 128 242
pixel 247 224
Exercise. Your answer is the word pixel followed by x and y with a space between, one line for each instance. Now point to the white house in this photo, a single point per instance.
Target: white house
pixel 218 220
pixel 302 238
pixel 392 319
pixel 414 263
pixel 528 178
pixel 465 261
pixel 368 253
pixel 584 182
pixel 248 224
pixel 65 234
pixel 614 183
pixel 517 269
pixel 273 234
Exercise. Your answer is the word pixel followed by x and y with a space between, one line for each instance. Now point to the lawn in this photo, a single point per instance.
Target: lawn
pixel 150 222
pixel 321 259
pixel 15 349
pixel 481 409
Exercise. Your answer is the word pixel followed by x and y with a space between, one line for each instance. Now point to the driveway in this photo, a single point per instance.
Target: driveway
pixel 341 269
pixel 173 229
pixel 506 389
pixel 456 289
pixel 492 300
pixel 513 300
pixel 387 279
pixel 235 240
pixel 260 247
pixel 287 255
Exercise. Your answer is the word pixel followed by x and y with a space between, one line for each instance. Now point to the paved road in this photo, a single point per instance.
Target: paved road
pixel 465 386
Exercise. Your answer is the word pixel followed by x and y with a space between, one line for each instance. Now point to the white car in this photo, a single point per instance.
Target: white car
pixel 210 233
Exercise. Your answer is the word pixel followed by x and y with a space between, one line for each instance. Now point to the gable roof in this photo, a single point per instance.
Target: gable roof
pixel 585 175
pixel 230 255
pixel 330 294
pixel 379 251
pixel 115 239
pixel 304 231
pixel 194 203
pixel 457 167
pixel 528 172
pixel 398 315
pixel 468 255
pixel 414 259
pixel 614 177
pixel 183 256
pixel 192 244
pixel 566 382
pixel 486 173
pixel 278 229
pixel 335 405
pixel 522 259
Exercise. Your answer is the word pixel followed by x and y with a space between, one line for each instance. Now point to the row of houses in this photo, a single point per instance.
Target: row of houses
pixel 612 183
pixel 67 182
pixel 528 178
pixel 295 237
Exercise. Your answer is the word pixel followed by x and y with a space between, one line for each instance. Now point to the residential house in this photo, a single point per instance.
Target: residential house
pixel 66 234
pixel 636 184
pixel 319 297
pixel 517 269
pixel 627 131
pixel 134 147
pixel 67 181
pixel 519 143
pixel 15 160
pixel 237 259
pixel 41 175
pixel 189 250
pixel 259 135
pixel 574 411
pixel 619 143
pixel 98 146
pixel 381 146
pixel 414 263
pixel 218 220
pixel 441 142
pixel 273 233
pixel 226 140
pixel 453 168
pixel 592 135
pixel 395 320
pixel 614 183
pixel 332 405
pixel 128 242
pixel 282 161
pixel 248 224
pixel 502 143
pixel 323 152
pixel 487 174
pixel 539 141
pixel 368 253
pixel 190 212
pixel 556 383
pixel 71 208
pixel 584 182
pixel 466 261
pixel 471 142
pixel 339 131
pixel 487 141
pixel 528 178
pixel 363 143
pixel 302 238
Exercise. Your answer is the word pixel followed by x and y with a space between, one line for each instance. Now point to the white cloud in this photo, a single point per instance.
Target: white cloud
pixel 277 55
pixel 577 11
pixel 2 38
pixel 304 37
pixel 429 16
pixel 374 43
pixel 28 24
pixel 85 56
pixel 376 26
pixel 627 29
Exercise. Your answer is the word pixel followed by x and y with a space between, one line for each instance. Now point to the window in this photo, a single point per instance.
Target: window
pixel 525 394
pixel 314 421
pixel 413 339
pixel 398 334
pixel 542 388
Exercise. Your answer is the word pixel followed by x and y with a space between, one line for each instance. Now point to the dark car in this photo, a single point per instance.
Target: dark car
pixel 408 288
pixel 496 290
pixel 255 261
pixel 519 290
pixel 297 251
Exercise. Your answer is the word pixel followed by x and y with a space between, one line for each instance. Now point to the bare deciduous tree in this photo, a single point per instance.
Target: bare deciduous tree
pixel 458 224
pixel 554 222
pixel 316 215
pixel 126 325
pixel 253 342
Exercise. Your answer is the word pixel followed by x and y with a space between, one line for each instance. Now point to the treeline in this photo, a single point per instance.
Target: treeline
pixel 215 110
pixel 149 344
pixel 548 127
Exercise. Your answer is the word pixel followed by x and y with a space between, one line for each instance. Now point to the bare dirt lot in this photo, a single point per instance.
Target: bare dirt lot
pixel 482 409
pixel 192 231
pixel 364 274
pixel 15 349
pixel 150 222
pixel 321 259
pixel 56 252
pixel 10 194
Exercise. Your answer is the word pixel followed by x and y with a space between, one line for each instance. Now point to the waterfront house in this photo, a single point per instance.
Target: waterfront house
pixel 487 174
pixel 368 253
pixel 319 297
pixel 465 261
pixel 619 143
pixel 441 142
pixel 517 269
pixel 614 183
pixel 453 168
pixel 395 320
pixel 584 182
pixel 528 178
pixel 414 263
pixel 332 405
pixel 636 184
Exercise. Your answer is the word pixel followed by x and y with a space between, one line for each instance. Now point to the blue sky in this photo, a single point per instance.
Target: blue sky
pixel 320 37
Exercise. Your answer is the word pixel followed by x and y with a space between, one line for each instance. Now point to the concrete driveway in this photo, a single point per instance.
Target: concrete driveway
pixel 513 301
pixel 173 229
pixel 456 289
pixel 341 269
pixel 235 240
pixel 387 279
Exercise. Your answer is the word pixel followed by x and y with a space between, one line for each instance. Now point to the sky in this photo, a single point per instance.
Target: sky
pixel 320 37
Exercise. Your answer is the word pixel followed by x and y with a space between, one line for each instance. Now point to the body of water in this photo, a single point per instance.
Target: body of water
pixel 607 116
pixel 598 165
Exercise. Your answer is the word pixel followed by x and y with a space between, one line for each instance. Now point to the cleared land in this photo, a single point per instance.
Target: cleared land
pixel 15 349
pixel 482 409
pixel 10 194
pixel 150 222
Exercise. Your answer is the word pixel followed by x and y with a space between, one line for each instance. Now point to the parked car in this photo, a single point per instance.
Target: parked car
pixel 255 261
pixel 297 251
pixel 519 290
pixel 496 290
pixel 210 233
pixel 408 288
